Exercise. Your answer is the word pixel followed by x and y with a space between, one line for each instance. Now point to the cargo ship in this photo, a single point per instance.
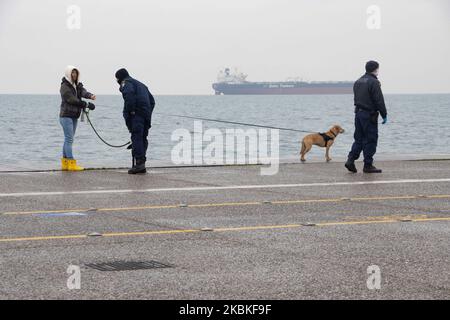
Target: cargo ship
pixel 235 83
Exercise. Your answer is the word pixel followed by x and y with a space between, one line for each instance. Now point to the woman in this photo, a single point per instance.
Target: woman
pixel 71 107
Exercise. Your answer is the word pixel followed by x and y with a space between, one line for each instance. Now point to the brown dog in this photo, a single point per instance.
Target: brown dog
pixel 324 140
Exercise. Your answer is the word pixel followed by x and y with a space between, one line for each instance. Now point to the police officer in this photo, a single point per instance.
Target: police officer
pixel 138 108
pixel 369 103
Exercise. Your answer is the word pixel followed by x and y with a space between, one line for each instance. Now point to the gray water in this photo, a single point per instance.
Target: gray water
pixel 31 136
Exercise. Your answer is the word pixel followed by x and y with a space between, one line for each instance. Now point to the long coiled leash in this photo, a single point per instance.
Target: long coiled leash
pixel 86 113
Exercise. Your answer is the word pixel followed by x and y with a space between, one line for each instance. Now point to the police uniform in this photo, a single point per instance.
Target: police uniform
pixel 369 103
pixel 137 112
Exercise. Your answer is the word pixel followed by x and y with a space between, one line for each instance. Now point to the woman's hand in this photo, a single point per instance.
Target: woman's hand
pixel 93 97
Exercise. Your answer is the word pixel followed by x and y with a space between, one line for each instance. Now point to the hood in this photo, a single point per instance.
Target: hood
pixel 68 73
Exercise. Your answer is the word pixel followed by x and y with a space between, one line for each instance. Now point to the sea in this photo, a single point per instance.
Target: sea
pixel 31 137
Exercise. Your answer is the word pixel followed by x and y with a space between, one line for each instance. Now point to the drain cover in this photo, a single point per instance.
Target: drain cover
pixel 127 265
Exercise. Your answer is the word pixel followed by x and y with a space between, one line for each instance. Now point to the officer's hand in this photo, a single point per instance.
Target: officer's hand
pixel 91 106
pixel 384 120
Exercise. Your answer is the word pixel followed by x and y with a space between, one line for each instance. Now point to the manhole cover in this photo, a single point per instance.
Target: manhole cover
pixel 127 265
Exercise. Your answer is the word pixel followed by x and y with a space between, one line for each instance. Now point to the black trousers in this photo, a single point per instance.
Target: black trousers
pixel 139 127
pixel 366 137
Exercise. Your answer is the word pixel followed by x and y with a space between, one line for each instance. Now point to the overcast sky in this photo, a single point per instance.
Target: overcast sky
pixel 178 46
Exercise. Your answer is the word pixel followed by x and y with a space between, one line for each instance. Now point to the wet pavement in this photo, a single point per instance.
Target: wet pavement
pixel 309 232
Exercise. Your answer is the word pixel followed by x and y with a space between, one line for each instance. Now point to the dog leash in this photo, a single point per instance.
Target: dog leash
pixel 225 121
pixel 98 135
pixel 234 122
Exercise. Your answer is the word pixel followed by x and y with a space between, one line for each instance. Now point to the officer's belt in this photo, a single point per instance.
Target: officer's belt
pixel 358 108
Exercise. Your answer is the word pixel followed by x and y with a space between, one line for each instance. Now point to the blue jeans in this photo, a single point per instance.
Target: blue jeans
pixel 69 126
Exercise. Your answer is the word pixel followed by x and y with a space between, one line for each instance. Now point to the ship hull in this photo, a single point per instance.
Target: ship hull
pixel 282 88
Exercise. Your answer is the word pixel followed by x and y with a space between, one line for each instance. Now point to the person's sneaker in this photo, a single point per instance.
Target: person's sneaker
pixel 371 169
pixel 139 168
pixel 350 165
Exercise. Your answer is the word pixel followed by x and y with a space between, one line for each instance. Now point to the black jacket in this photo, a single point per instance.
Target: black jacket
pixel 368 95
pixel 71 103
pixel 137 99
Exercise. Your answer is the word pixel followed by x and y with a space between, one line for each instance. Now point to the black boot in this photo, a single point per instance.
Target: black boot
pixel 138 168
pixel 371 169
pixel 350 165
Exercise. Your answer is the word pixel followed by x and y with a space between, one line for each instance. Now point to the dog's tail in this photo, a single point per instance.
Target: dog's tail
pixel 303 147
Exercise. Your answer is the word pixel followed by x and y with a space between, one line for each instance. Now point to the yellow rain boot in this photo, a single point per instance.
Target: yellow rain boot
pixel 73 165
pixel 64 164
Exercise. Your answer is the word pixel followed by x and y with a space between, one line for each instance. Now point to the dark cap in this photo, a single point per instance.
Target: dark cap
pixel 122 74
pixel 371 66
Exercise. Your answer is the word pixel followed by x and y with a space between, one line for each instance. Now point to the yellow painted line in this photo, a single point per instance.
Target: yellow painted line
pixel 229 204
pixel 344 223
pixel 245 228
pixel 430 219
pixel 437 196
pixel 82 236
pixel 392 217
pixel 75 236
pixel 379 221
pixel 171 206
pixel 306 201
pixel 385 198
pixel 139 208
pixel 44 211
pixel 225 204
pixel 286 226
pixel 147 233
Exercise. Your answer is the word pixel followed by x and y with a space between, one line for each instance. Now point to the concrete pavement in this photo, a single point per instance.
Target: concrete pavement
pixel 229 233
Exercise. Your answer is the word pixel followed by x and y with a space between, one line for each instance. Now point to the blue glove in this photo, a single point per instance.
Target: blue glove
pixel 384 120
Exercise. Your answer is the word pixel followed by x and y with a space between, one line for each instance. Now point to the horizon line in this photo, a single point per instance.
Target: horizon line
pixel 212 94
